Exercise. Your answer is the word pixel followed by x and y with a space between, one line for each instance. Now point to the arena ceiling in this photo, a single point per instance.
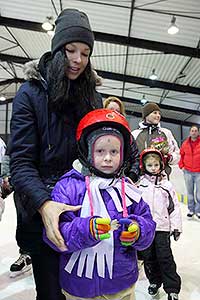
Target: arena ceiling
pixel 131 40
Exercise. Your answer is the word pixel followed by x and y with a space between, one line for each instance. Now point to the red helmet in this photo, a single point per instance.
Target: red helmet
pixel 100 118
pixel 148 151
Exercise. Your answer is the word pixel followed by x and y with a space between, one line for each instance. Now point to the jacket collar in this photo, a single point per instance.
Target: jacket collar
pixel 143 125
pixel 36 69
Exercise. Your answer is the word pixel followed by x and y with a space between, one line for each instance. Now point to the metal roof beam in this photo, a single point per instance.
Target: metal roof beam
pixel 125 99
pixel 151 83
pixel 21 24
pixel 10 81
pixel 112 38
pixel 14 59
pixel 162 106
pixel 132 113
pixel 147 44
pixel 120 77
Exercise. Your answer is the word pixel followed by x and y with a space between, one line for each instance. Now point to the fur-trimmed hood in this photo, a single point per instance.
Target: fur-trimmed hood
pixel 31 71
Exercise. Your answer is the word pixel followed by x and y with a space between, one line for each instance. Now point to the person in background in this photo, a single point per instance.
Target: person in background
pixel 101 240
pixel 5 175
pixel 58 92
pixel 151 134
pixel 5 188
pixel 159 193
pixel 23 263
pixel 2 154
pixel 2 206
pixel 2 151
pixel 114 103
pixel 132 170
pixel 190 164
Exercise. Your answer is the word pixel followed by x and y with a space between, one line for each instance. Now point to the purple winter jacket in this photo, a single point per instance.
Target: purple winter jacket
pixel 76 232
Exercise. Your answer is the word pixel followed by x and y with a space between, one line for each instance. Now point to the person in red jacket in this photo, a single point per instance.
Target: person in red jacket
pixel 190 164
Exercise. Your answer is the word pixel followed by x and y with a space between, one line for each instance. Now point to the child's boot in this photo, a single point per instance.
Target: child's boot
pixel 173 296
pixel 153 289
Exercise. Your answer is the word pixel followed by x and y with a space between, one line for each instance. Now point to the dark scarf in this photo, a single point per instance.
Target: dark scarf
pixel 152 126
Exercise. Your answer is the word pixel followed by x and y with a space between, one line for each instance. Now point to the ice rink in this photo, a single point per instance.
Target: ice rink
pixel 186 252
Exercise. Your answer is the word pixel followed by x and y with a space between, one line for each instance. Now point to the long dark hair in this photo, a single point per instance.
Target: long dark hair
pixel 65 93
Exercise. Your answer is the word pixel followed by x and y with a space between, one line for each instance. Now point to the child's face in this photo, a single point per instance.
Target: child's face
pixel 152 165
pixel 107 154
pixel 154 117
pixel 114 106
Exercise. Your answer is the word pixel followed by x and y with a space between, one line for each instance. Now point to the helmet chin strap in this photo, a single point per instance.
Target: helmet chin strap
pixel 156 175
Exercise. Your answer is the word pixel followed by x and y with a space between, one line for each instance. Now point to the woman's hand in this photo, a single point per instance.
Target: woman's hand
pixel 50 212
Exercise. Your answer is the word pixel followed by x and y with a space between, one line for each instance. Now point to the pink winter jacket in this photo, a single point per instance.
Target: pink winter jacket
pixel 163 203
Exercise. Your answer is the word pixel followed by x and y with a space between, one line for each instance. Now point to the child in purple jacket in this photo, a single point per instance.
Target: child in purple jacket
pixel 114 222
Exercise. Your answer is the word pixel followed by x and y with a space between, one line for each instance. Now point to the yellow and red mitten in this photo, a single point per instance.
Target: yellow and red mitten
pixel 100 227
pixel 130 232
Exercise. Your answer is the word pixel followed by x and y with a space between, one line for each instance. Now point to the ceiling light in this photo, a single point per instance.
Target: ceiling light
pixel 153 75
pixel 173 29
pixel 2 98
pixel 143 100
pixel 48 24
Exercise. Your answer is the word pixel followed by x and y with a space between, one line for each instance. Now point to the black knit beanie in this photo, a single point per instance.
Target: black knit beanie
pixel 149 108
pixel 72 25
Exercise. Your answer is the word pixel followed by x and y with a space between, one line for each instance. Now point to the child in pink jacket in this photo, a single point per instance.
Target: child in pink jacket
pixel 158 192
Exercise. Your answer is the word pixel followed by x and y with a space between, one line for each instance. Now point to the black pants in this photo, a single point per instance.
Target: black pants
pixel 159 264
pixel 22 228
pixel 45 261
pixel 46 274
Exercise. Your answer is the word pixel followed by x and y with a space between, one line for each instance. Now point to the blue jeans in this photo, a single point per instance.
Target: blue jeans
pixel 192 182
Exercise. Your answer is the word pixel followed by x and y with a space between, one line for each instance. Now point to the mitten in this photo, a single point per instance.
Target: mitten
pixel 130 232
pixel 176 234
pixel 99 228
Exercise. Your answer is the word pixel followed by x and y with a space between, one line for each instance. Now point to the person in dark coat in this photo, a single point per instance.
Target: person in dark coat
pixel 59 91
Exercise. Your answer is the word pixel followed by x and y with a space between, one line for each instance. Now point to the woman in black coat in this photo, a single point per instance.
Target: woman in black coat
pixel 58 92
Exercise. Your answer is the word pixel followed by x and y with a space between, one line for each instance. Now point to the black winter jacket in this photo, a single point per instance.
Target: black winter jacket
pixel 42 144
pixel 42 148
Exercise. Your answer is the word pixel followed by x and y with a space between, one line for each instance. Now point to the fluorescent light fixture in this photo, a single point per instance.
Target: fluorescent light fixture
pixel 173 28
pixel 2 98
pixel 48 24
pixel 143 100
pixel 153 75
